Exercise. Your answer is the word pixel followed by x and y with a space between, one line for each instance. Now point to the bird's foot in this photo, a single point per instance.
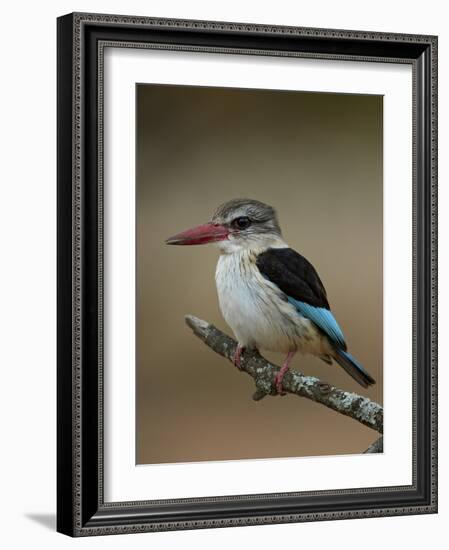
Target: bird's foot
pixel 278 383
pixel 237 356
pixel 280 375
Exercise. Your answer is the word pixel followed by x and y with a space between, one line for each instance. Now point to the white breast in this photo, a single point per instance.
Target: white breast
pixel 256 310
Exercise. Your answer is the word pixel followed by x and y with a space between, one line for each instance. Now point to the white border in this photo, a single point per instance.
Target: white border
pixel 123 479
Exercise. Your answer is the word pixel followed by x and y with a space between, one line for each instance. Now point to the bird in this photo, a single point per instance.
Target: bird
pixel 270 295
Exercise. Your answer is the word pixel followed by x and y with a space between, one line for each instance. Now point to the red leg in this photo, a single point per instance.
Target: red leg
pixel 280 375
pixel 237 355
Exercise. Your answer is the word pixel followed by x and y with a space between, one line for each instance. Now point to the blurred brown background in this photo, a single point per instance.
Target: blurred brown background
pixel 317 158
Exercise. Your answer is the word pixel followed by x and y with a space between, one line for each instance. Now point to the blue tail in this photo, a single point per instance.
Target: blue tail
pixel 353 368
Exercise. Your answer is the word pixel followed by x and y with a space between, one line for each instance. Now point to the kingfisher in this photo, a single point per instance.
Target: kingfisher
pixel 269 294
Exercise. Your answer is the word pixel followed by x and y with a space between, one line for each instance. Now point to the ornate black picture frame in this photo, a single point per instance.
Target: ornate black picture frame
pixel 81 510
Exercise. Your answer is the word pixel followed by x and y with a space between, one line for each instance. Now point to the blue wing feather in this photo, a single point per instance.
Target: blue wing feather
pixel 324 319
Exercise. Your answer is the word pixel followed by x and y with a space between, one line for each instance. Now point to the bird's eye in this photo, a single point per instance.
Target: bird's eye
pixel 241 223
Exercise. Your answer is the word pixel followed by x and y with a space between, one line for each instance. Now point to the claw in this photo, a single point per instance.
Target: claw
pixel 237 356
pixel 280 375
pixel 278 384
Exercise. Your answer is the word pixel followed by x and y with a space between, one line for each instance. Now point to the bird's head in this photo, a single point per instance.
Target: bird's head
pixel 236 225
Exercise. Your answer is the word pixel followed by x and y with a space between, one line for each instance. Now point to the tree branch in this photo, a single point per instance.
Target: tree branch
pixel 376 447
pixel 350 404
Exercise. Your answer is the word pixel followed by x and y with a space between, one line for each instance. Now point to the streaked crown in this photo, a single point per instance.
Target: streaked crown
pixel 258 216
pixel 251 222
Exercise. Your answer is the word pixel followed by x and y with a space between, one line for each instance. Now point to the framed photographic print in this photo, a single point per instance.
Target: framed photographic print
pixel 247 249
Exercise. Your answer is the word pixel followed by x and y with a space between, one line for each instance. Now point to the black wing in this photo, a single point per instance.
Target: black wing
pixel 294 275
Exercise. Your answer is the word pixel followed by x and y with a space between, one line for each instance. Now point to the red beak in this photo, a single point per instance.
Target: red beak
pixel 202 234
